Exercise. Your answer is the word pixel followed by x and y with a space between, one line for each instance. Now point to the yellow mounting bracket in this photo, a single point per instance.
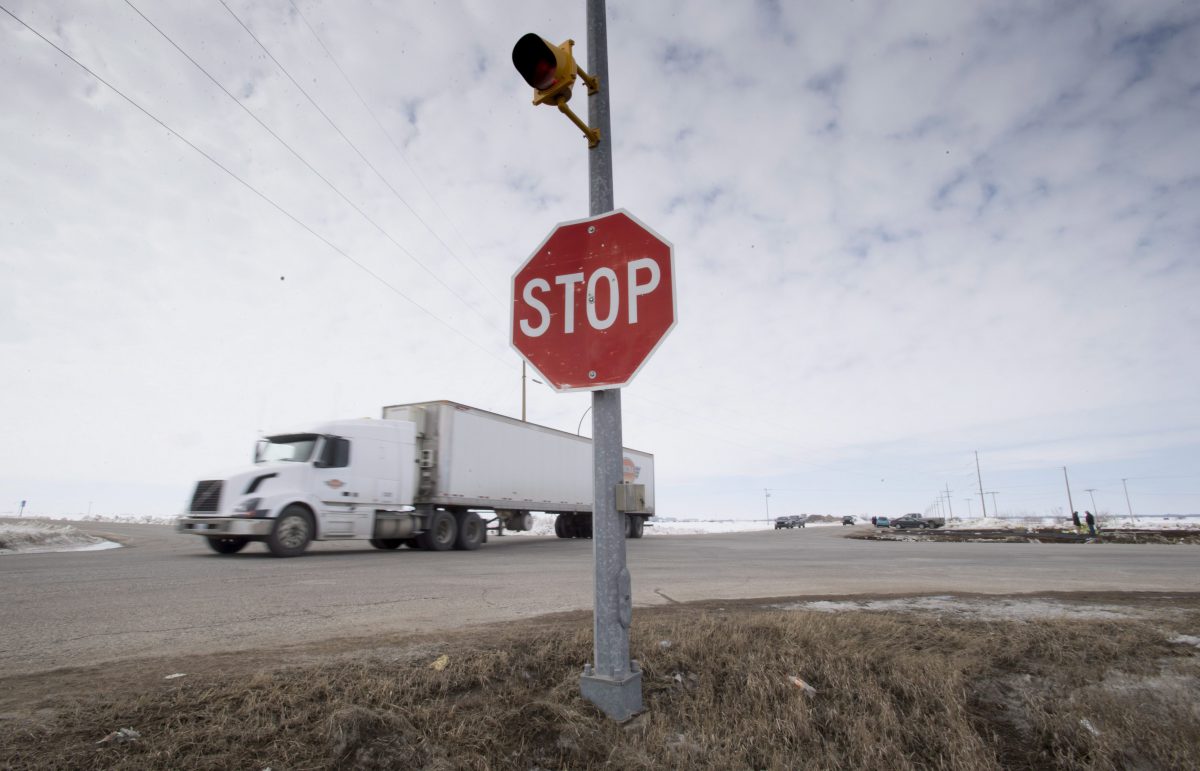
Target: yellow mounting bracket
pixel 592 134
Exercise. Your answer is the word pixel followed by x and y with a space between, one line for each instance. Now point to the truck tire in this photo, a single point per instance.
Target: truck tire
pixel 583 527
pixel 560 526
pixel 470 531
pixel 228 545
pixel 441 532
pixel 387 543
pixel 292 532
pixel 637 526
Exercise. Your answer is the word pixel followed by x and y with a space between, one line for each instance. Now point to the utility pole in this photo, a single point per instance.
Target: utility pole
pixel 1091 491
pixel 767 503
pixel 948 504
pixel 995 508
pixel 979 478
pixel 1127 503
pixel 1070 503
pixel 613 682
pixel 968 500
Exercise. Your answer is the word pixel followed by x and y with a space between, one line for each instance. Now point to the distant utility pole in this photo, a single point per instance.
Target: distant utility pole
pixel 1092 492
pixel 979 478
pixel 21 512
pixel 968 500
pixel 767 501
pixel 1070 503
pixel 948 504
pixel 995 508
pixel 1127 503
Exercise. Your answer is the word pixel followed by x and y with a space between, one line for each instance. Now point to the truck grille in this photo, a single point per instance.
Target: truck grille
pixel 207 496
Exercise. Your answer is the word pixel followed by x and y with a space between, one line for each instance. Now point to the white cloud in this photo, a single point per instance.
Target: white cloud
pixel 917 226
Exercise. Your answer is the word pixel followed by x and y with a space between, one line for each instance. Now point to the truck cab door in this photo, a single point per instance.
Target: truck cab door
pixel 339 488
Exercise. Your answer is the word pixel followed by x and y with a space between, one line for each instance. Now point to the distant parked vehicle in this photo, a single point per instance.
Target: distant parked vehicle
pixel 797 521
pixel 789 522
pixel 882 522
pixel 847 520
pixel 916 520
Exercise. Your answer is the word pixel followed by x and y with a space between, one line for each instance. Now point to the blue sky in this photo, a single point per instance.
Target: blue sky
pixel 903 233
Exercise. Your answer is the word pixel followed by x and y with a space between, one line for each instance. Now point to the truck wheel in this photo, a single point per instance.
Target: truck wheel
pixel 637 527
pixel 387 543
pixel 560 526
pixel 470 531
pixel 227 545
pixel 441 532
pixel 292 533
pixel 583 527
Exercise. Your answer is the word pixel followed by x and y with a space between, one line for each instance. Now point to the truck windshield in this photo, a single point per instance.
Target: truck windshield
pixel 292 447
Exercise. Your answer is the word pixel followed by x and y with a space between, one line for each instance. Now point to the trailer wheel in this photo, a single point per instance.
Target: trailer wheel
pixel 564 525
pixel 470 531
pixel 387 543
pixel 637 526
pixel 441 532
pixel 292 533
pixel 227 545
pixel 583 527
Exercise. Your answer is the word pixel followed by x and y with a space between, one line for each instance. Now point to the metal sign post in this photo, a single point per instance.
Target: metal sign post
pixel 612 682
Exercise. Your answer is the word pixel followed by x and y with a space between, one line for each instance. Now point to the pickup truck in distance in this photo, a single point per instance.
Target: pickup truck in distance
pixel 916 520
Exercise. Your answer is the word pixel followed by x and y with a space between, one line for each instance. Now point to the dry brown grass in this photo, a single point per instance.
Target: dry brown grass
pixel 893 692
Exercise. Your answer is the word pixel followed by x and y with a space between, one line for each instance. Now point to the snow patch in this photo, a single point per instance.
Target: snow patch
pixel 984 609
pixel 29 537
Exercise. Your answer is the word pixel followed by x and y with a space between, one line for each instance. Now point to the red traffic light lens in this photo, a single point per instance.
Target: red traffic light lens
pixel 535 61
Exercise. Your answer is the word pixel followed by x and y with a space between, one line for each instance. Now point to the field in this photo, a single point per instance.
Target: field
pixel 1077 682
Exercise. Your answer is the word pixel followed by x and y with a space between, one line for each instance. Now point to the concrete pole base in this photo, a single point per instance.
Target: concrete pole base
pixel 619 699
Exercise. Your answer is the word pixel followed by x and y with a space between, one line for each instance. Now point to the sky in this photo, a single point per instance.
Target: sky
pixel 904 234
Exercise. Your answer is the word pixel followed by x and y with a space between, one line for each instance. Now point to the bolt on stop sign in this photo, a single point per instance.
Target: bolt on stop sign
pixel 594 301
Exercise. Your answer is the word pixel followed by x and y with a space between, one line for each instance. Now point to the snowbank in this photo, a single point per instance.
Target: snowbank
pixel 26 536
pixel 1171 522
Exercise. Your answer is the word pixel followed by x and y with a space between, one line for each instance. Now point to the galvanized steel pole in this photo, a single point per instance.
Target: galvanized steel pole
pixel 612 681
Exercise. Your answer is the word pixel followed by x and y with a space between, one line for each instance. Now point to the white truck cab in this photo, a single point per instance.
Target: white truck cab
pixel 336 480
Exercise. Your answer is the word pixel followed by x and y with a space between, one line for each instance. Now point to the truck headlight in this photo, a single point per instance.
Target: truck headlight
pixel 247 507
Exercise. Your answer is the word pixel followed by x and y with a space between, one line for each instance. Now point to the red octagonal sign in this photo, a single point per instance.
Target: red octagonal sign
pixel 594 301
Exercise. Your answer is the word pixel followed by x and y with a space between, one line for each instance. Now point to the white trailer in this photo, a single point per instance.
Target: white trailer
pixel 422 476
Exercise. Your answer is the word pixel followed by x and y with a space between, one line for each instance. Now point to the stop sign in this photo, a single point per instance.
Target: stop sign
pixel 593 302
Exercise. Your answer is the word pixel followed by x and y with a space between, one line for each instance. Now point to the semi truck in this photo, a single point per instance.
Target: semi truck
pixel 429 475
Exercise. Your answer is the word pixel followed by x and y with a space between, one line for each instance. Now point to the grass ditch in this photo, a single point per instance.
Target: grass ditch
pixel 893 690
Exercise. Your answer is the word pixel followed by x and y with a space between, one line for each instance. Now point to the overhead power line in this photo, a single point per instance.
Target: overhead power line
pixel 308 165
pixel 251 187
pixel 400 154
pixel 342 134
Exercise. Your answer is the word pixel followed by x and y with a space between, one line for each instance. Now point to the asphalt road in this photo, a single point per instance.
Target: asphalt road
pixel 167 594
